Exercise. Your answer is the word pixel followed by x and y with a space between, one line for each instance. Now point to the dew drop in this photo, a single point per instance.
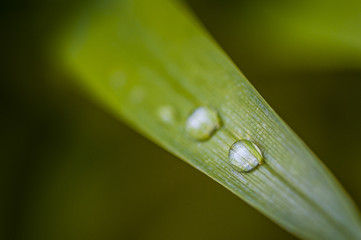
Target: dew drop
pixel 244 156
pixel 167 114
pixel 137 94
pixel 202 123
pixel 117 80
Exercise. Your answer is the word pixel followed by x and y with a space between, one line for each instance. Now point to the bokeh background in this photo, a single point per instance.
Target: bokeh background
pixel 69 170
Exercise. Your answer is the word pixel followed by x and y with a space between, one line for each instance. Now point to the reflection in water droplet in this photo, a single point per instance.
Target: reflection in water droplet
pixel 166 114
pixel 244 155
pixel 202 123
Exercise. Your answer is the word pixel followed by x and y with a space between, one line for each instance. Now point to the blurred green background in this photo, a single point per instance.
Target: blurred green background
pixel 72 171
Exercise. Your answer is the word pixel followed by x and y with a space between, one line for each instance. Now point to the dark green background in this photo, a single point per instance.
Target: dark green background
pixel 71 171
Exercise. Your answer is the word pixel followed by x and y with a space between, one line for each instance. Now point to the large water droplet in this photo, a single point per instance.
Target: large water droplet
pixel 244 156
pixel 202 123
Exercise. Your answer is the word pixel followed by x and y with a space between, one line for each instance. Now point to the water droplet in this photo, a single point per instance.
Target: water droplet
pixel 202 123
pixel 244 156
pixel 166 114
pixel 137 94
pixel 117 79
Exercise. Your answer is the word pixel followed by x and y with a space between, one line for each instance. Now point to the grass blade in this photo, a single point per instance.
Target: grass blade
pixel 152 64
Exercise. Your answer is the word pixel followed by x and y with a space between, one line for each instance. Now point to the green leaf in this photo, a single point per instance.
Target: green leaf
pixel 151 64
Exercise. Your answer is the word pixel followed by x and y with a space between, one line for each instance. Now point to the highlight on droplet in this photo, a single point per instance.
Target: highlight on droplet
pixel 244 155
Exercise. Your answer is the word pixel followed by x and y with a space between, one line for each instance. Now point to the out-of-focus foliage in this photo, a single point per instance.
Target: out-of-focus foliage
pixel 284 36
pixel 62 177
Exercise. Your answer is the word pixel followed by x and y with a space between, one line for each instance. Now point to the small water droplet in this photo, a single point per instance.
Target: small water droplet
pixel 244 156
pixel 137 94
pixel 166 114
pixel 202 123
pixel 117 79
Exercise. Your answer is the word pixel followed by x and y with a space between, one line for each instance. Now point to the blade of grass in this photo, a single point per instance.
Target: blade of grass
pixel 151 64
